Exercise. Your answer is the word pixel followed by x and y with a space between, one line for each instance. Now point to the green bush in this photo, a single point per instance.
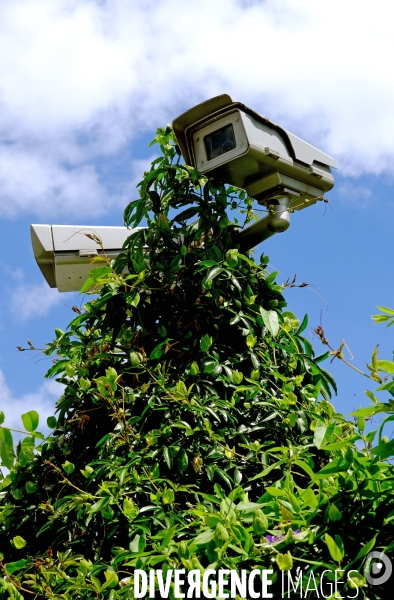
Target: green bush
pixel 196 428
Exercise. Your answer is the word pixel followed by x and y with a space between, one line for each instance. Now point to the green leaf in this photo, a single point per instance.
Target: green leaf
pixel 387 386
pixel 374 359
pixel 205 343
pixel 70 370
pixel 271 277
pixel 94 277
pixel 366 412
pixel 284 561
pixel 251 340
pixel 336 551
pixel 12 567
pixel 1 417
pixel 334 514
pixel 30 487
pixel 320 432
pixel 384 449
pixel 184 216
pixel 26 451
pixel 268 469
pixel 99 273
pixel 203 538
pixel 18 542
pixel 194 368
pixel 385 365
pixel 17 493
pixel 329 379
pixel 237 377
pixel 87 471
pixel 30 420
pixel 213 273
pixel 308 347
pixel 96 582
pixel 346 442
pixel 355 580
pixel 51 422
pixel 248 506
pixel 306 468
pixel 111 579
pixel 271 321
pixel 182 460
pixel 389 311
pixel 366 548
pixel 129 508
pixel 273 491
pixel 335 466
pixel 243 536
pixel 6 448
pixel 167 457
pixel 68 467
pixel 361 423
pixel 309 498
pixel 303 325
pixel 57 368
pixel 158 351
pixel 224 476
pixel 321 357
pixel 168 496
pixel 133 299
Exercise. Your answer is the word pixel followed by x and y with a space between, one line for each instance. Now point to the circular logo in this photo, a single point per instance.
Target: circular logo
pixel 378 568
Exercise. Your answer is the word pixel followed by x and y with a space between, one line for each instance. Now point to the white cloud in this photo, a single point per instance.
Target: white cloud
pixel 80 79
pixel 42 400
pixel 30 300
pixel 358 195
pixel 39 184
pixel 15 273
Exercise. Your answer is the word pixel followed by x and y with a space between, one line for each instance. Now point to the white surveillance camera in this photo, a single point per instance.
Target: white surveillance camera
pixel 231 143
pixel 64 253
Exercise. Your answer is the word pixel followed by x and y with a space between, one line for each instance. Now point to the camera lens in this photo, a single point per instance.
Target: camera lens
pixel 227 146
pixel 220 141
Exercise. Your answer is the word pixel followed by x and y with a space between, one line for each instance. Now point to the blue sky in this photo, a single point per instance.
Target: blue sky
pixel 83 86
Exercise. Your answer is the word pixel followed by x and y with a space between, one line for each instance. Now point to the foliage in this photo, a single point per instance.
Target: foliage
pixel 196 428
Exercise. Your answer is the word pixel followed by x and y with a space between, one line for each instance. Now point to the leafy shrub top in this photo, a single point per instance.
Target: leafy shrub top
pixel 196 428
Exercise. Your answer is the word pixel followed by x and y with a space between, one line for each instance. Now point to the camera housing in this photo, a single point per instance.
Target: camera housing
pixel 226 140
pixel 64 253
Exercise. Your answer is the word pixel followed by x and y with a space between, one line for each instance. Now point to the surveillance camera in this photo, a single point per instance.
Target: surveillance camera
pixel 64 253
pixel 231 143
